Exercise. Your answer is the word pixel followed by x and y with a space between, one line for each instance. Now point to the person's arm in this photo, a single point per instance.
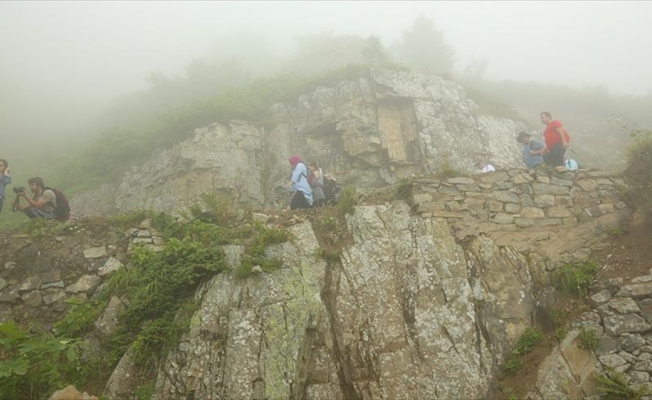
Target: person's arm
pixel 40 203
pixel 5 179
pixel 560 131
pixel 296 175
pixel 536 148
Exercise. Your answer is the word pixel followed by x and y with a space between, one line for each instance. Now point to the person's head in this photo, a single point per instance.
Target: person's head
pixel 36 184
pixel 545 117
pixel 294 160
pixel 3 165
pixel 480 164
pixel 523 137
pixel 312 165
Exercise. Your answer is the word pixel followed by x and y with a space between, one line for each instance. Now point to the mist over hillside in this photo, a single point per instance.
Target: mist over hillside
pixel 89 88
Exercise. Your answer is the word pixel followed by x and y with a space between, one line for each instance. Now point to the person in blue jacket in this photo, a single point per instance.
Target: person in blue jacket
pixel 5 179
pixel 298 185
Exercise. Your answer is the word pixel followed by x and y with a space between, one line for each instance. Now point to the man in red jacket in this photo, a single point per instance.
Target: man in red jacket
pixel 556 139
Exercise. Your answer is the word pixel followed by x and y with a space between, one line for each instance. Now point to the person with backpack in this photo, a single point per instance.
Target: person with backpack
pixel 331 189
pixel 556 140
pixel 5 179
pixel 301 192
pixel 316 184
pixel 44 204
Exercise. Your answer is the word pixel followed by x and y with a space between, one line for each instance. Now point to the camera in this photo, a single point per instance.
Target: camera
pixel 19 189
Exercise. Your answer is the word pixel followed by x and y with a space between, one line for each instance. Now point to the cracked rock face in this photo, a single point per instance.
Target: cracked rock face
pixel 400 317
pixel 425 302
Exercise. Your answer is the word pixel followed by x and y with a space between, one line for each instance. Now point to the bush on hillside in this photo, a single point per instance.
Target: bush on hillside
pixel 639 172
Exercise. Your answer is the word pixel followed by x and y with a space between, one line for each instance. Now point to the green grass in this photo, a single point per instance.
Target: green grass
pixel 530 338
pixel 575 278
pixel 614 386
pixel 513 364
pixel 558 316
pixel 560 334
pixel 588 340
pixel 348 200
pixel 403 189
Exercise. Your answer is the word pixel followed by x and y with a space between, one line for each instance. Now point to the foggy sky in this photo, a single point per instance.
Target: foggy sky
pixel 63 61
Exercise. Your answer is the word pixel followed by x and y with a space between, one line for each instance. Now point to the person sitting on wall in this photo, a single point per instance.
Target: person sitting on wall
pixel 532 151
pixel 485 167
pixel 41 205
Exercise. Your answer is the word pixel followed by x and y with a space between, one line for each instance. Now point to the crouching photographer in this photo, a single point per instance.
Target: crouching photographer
pixel 41 205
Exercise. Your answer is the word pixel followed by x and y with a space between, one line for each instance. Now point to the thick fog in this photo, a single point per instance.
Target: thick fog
pixel 63 62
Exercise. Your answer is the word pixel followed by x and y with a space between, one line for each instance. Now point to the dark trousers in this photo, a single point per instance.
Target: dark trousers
pixel 34 212
pixel 555 156
pixel 1 203
pixel 298 201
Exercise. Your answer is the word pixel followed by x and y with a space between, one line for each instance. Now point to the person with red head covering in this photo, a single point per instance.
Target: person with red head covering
pixel 298 185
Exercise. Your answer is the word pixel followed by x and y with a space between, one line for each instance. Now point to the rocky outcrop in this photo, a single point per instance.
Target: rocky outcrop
pixel 620 319
pixel 425 303
pixel 368 132
pixel 425 300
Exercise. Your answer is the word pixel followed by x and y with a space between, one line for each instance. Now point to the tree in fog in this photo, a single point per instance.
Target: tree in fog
pixel 423 48
pixel 476 68
pixel 373 51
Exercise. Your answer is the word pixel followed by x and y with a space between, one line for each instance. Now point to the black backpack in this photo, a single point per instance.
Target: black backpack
pixel 331 190
pixel 62 210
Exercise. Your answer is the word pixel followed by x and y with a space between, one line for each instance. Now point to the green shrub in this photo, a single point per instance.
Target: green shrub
pixel 614 386
pixel 558 316
pixel 615 231
pixel 32 366
pixel 403 189
pixel 157 284
pixel 588 340
pixel 80 317
pixel 348 200
pixel 330 255
pixel 145 392
pixel 325 224
pixel 639 173
pixel 575 278
pixel 513 363
pixel 447 170
pixel 528 340
pixel 560 334
pixel 255 253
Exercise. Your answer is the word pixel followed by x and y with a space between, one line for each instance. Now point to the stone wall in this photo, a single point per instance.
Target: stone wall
pixel 620 318
pixel 508 205
pixel 41 274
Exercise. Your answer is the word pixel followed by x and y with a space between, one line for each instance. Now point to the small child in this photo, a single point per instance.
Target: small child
pixel 5 179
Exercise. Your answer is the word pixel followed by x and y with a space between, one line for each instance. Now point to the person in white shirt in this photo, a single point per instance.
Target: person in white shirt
pixel 485 167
